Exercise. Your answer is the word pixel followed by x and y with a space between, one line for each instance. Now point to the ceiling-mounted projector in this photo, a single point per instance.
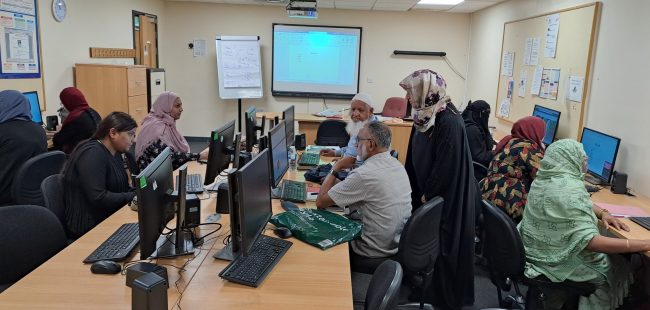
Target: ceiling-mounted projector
pixel 302 9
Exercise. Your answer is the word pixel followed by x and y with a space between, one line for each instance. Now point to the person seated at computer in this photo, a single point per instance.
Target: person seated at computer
pixel 361 112
pixel 96 183
pixel 80 123
pixel 560 234
pixel 159 131
pixel 378 192
pixel 481 143
pixel 20 138
pixel 514 166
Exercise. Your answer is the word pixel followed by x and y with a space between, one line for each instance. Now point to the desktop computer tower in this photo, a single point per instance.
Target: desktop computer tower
pixel 192 211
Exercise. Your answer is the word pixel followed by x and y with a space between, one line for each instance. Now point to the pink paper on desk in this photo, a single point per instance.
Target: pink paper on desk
pixel 622 211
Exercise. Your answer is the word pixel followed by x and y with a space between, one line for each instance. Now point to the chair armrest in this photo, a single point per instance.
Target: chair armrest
pixel 414 306
pixel 578 288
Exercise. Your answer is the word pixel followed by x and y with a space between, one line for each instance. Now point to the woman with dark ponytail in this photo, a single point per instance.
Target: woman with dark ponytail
pixel 96 183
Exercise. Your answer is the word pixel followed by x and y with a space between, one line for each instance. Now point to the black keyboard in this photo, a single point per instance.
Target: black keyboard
pixel 251 270
pixel 118 246
pixel 309 159
pixel 294 191
pixel 194 184
pixel 591 188
pixel 643 221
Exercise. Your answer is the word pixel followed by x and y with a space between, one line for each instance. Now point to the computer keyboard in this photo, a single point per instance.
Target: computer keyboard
pixel 309 159
pixel 591 188
pixel 194 184
pixel 118 246
pixel 643 221
pixel 294 191
pixel 251 270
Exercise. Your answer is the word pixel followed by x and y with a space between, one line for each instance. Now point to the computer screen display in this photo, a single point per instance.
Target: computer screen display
pixel 221 140
pixel 252 206
pixel 601 151
pixel 551 119
pixel 279 155
pixel 251 133
pixel 34 106
pixel 289 118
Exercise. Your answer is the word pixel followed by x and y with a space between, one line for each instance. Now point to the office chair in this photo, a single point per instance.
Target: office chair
pixel 395 107
pixel 29 235
pixel 383 290
pixel 419 246
pixel 26 188
pixel 394 153
pixel 506 258
pixel 52 188
pixel 332 132
pixel 480 171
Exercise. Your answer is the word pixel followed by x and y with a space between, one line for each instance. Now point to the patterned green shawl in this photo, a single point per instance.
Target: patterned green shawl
pixel 558 220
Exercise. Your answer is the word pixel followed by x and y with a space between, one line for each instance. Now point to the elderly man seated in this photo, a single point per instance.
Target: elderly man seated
pixel 360 114
pixel 378 193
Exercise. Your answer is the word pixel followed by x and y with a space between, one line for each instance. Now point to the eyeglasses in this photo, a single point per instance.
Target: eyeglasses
pixel 359 140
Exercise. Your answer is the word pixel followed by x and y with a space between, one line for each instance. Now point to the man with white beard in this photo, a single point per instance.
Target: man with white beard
pixel 360 114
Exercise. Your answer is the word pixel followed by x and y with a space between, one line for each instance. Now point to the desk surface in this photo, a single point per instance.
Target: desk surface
pixel 305 278
pixel 310 118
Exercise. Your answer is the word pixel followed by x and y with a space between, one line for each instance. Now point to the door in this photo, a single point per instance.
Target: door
pixel 145 39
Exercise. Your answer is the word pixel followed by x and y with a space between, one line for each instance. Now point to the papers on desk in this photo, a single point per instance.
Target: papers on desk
pixel 318 148
pixel 622 211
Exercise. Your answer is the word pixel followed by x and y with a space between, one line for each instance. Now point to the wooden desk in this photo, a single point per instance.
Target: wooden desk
pixel 636 231
pixel 305 278
pixel 308 124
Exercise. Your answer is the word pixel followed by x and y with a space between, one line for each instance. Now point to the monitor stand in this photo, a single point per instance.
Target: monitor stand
pixel 276 192
pixel 593 180
pixel 225 253
pixel 167 245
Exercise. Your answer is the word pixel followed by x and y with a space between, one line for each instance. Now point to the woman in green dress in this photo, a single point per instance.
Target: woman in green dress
pixel 560 232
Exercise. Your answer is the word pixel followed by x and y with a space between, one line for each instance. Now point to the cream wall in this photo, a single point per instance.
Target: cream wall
pixel 195 79
pixel 89 23
pixel 619 91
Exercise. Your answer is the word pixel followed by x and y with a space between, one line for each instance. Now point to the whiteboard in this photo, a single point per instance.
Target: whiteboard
pixel 239 67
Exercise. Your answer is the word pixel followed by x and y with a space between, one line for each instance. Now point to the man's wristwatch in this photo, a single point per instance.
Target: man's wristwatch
pixel 335 174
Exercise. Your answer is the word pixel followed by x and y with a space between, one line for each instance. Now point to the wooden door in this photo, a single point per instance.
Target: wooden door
pixel 145 39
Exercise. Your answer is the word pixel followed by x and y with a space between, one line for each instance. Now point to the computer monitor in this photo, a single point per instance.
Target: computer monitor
pixel 551 118
pixel 252 127
pixel 289 118
pixel 279 159
pixel 221 147
pixel 249 195
pixel 34 106
pixel 235 156
pixel 155 209
pixel 601 151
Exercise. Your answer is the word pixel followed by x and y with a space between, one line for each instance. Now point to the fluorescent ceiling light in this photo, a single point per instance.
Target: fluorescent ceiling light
pixel 440 2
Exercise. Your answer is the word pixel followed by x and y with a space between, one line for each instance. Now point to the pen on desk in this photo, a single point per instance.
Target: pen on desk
pixel 620 215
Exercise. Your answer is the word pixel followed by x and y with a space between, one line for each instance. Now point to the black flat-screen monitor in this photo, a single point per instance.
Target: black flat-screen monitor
pixel 235 157
pixel 155 208
pixel 601 150
pixel 289 122
pixel 551 118
pixel 34 106
pixel 279 160
pixel 315 61
pixel 221 147
pixel 251 128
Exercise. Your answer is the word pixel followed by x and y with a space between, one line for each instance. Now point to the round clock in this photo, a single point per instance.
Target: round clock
pixel 59 10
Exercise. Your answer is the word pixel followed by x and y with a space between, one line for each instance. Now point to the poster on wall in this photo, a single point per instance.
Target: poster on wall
pixel 521 86
pixel 552 31
pixel 575 88
pixel 508 63
pixel 19 52
pixel 504 108
pixel 550 83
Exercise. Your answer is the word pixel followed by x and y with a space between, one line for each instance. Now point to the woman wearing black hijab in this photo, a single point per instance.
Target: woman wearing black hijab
pixel 480 140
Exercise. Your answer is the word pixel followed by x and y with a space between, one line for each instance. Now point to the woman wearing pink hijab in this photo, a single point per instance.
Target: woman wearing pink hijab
pixel 159 131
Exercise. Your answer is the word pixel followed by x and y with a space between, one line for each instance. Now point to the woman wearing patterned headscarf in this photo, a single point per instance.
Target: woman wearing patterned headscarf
pixel 159 131
pixel 560 233
pixel 20 138
pixel 439 163
pixel 476 117
pixel 514 167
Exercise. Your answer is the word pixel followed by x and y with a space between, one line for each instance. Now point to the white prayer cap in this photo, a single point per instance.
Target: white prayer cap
pixel 364 98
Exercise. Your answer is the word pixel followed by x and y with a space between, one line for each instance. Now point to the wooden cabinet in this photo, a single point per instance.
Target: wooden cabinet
pixel 111 88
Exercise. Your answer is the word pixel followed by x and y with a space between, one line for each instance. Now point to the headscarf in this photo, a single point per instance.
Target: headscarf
pixel 558 220
pixel 426 94
pixel 477 113
pixel 531 128
pixel 74 101
pixel 159 125
pixel 14 106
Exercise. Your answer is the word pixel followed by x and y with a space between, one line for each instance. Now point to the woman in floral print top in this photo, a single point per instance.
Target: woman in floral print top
pixel 514 167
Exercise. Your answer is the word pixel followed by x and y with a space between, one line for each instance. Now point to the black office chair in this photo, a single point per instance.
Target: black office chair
pixel 419 246
pixel 394 153
pixel 480 171
pixel 29 235
pixel 26 188
pixel 506 258
pixel 52 188
pixel 332 132
pixel 383 290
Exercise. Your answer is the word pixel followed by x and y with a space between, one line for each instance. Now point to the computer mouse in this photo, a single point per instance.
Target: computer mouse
pixel 105 267
pixel 282 232
pixel 288 205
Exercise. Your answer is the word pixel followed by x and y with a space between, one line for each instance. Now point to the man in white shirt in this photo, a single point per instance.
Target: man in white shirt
pixel 378 192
